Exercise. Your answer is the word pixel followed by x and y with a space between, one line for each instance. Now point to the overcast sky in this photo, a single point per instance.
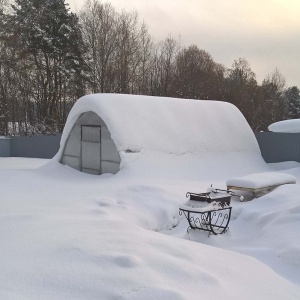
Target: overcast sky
pixel 265 32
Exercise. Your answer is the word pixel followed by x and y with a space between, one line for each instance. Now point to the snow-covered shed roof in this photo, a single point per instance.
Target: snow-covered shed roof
pixel 287 126
pixel 168 125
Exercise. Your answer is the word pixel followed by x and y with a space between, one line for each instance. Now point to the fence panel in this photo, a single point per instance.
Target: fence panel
pixel 274 146
pixel 278 146
pixel 38 146
pixel 5 146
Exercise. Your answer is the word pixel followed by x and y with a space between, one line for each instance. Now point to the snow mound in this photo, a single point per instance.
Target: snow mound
pixel 287 126
pixel 167 125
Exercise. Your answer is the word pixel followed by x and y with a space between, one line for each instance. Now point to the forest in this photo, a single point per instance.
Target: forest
pixel 50 56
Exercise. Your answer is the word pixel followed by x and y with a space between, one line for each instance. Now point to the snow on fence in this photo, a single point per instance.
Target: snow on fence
pixel 275 147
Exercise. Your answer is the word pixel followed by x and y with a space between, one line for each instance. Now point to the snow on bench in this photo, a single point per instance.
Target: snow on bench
pixel 261 181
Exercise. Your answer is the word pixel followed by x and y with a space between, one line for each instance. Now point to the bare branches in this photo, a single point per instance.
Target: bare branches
pixel 49 57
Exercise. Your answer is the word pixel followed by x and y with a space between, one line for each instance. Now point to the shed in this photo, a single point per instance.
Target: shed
pixel 102 129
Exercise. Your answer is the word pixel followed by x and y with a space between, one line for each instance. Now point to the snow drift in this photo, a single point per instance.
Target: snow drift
pixel 70 235
pixel 287 126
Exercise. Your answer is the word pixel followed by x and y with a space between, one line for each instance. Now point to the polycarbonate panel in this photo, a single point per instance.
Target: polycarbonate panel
pixel 71 161
pixel 110 167
pixel 90 171
pixel 91 134
pixel 90 148
pixel 90 156
pixel 72 147
pixel 90 118
pixel 108 148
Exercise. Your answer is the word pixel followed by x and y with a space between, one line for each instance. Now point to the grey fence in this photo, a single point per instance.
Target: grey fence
pixel 5 146
pixel 277 146
pixel 38 146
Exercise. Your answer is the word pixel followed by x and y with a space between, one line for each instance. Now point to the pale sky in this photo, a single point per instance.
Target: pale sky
pixel 265 32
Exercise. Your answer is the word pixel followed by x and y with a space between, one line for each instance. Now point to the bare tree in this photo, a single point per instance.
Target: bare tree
pixel 119 49
pixel 99 31
pixel 143 59
pixel 128 34
pixel 48 60
pixel 274 104
pixel 197 76
pixel 163 66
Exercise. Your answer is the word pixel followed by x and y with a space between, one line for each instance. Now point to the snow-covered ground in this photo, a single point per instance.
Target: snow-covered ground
pixel 21 162
pixel 70 235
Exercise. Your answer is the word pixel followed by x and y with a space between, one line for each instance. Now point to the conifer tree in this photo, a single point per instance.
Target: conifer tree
pixel 292 99
pixel 48 38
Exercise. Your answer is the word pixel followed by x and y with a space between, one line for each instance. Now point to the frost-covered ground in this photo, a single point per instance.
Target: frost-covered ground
pixel 69 235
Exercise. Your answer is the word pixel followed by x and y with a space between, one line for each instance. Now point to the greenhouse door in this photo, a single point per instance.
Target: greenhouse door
pixel 91 149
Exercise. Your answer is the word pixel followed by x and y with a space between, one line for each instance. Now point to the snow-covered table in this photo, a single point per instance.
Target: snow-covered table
pixel 255 183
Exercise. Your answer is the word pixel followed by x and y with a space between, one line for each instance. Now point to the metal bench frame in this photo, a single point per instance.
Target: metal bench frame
pixel 213 221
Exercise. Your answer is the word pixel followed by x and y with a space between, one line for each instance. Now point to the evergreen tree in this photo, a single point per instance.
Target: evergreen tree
pixel 241 90
pixel 292 99
pixel 48 38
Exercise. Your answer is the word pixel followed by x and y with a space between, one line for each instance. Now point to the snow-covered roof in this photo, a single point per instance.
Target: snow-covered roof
pixel 288 126
pixel 167 125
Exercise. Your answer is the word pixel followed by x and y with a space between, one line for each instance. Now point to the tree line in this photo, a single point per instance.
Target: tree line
pixel 49 57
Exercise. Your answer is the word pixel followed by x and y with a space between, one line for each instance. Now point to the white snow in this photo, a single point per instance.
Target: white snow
pixel 288 126
pixel 70 235
pixel 198 206
pixel 21 162
pixel 261 180
pixel 167 125
pixel 284 165
pixel 266 228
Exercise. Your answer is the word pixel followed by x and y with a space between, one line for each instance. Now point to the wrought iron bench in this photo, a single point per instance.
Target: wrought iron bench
pixel 207 213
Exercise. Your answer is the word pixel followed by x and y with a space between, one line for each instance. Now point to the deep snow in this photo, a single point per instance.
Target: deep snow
pixel 70 235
